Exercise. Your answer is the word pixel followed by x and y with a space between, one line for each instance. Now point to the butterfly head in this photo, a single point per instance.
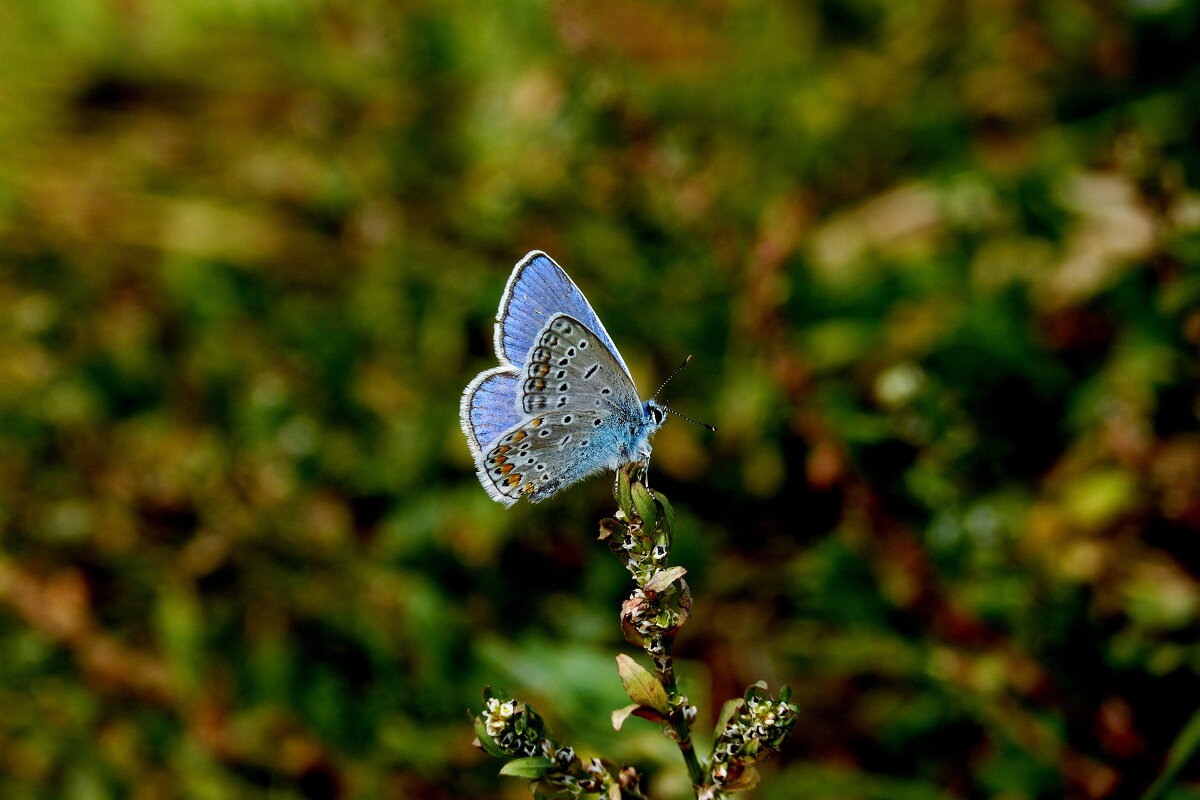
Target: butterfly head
pixel 656 413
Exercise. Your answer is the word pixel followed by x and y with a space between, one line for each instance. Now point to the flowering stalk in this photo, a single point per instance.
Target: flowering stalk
pixel 511 729
pixel 640 535
pixel 749 728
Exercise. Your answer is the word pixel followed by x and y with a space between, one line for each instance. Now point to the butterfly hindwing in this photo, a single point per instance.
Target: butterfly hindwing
pixel 544 454
pixel 490 405
pixel 537 290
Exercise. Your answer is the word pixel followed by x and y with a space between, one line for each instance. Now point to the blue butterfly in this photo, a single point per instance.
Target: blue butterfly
pixel 562 404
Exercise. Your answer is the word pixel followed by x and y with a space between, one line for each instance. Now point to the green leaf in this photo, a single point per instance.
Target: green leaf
pixel 485 740
pixel 643 504
pixel 624 491
pixel 757 690
pixel 728 711
pixel 641 686
pixel 663 579
pixel 667 509
pixel 750 749
pixel 532 767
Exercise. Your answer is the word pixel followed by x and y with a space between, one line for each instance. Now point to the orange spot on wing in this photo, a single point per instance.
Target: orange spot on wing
pixel 513 480
pixel 519 435
pixel 536 422
pixel 507 468
pixel 502 449
pixel 499 459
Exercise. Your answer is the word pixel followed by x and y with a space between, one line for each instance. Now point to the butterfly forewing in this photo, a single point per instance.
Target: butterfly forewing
pixel 577 396
pixel 538 289
pixel 570 368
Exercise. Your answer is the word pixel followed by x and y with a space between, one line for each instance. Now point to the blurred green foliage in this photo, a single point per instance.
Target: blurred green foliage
pixel 938 265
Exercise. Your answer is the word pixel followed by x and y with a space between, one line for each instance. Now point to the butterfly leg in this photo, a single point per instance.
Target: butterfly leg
pixel 646 476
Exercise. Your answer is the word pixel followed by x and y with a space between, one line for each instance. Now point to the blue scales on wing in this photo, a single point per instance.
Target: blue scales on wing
pixel 537 290
pixel 490 405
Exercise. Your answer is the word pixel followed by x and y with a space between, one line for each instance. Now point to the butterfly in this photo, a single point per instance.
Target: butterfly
pixel 562 404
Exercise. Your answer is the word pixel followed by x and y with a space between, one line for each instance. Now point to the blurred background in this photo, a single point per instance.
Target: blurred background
pixel 937 262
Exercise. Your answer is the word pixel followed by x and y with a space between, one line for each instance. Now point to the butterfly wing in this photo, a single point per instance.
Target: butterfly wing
pixel 537 290
pixel 490 405
pixel 570 367
pixel 581 408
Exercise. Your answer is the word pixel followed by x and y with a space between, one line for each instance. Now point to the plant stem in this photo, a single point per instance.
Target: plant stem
pixel 640 536
pixel 664 667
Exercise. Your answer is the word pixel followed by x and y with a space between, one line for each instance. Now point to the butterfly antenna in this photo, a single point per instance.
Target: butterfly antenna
pixel 673 411
pixel 689 419
pixel 672 375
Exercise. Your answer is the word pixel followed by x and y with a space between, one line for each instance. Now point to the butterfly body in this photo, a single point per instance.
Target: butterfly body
pixel 562 404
